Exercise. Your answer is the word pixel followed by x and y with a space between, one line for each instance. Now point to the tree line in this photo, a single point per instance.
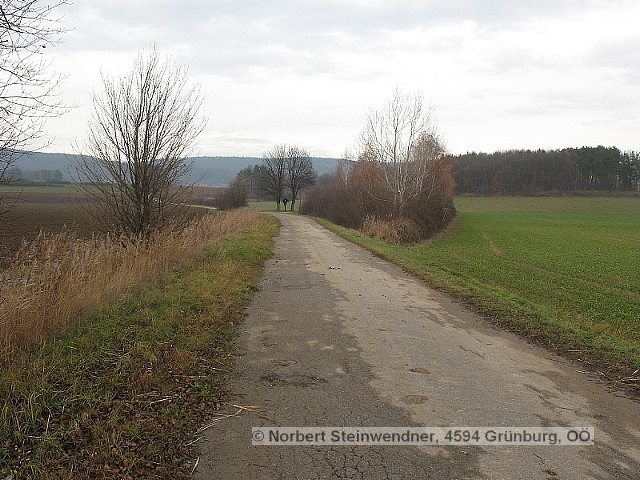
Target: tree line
pixel 37 175
pixel 530 172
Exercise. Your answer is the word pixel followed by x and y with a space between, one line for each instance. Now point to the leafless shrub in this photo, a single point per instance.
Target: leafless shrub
pixel 399 186
pixel 234 196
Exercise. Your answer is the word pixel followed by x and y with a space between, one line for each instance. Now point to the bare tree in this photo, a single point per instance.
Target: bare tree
pixel 300 173
pixel 27 92
pixel 401 186
pixel 402 137
pixel 141 131
pixel 275 172
pixel 286 167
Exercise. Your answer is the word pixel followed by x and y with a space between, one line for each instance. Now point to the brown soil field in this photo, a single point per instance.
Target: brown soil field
pixel 33 212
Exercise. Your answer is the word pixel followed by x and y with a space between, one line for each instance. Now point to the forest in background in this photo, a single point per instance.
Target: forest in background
pixel 532 172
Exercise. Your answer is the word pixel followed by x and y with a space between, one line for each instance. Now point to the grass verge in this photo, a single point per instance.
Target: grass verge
pixel 122 394
pixel 562 272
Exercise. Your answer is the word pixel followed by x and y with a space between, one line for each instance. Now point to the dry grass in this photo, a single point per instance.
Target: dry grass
pixel 398 231
pixel 57 279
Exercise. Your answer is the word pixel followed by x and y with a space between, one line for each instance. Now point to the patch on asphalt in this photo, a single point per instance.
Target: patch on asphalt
pixel 414 399
pixel 419 370
pixel 294 379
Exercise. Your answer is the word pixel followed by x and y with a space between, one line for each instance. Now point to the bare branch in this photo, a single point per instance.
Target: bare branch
pixel 300 173
pixel 287 166
pixel 402 137
pixel 273 182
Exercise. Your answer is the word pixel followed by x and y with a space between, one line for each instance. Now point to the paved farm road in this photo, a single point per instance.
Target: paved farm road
pixel 338 337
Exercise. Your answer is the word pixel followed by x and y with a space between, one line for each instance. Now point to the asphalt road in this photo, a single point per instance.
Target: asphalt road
pixel 339 337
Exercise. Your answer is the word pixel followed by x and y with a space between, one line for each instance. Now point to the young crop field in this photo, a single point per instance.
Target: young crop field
pixel 564 271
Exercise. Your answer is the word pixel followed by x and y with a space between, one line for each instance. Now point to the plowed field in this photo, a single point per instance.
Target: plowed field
pixel 33 212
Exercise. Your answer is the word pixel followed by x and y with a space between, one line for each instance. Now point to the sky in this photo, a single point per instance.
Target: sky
pixel 499 74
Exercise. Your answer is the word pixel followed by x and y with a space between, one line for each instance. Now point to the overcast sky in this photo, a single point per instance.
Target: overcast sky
pixel 500 74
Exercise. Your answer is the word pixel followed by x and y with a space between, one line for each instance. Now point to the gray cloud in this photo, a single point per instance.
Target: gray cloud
pixel 307 71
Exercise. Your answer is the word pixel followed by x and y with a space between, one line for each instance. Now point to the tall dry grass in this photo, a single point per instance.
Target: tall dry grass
pixel 57 279
pixel 399 231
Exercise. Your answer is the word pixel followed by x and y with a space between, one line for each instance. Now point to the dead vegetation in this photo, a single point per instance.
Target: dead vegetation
pixel 398 231
pixel 58 278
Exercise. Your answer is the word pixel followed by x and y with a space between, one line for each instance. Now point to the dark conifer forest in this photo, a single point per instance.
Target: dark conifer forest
pixel 527 172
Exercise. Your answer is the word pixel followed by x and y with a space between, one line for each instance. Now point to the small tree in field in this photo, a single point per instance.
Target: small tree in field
pixel 273 177
pixel 139 136
pixel 300 173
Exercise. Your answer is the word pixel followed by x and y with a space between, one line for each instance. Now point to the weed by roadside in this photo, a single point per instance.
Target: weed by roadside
pixel 397 231
pixel 121 395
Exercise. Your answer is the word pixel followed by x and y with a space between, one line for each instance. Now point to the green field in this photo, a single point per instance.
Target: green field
pixel 263 206
pixel 269 206
pixel 565 271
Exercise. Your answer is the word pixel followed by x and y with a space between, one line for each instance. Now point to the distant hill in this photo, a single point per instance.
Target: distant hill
pixel 46 161
pixel 209 171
